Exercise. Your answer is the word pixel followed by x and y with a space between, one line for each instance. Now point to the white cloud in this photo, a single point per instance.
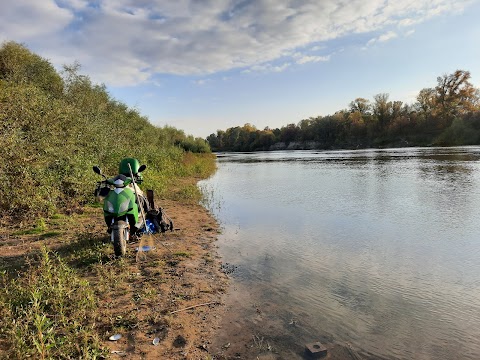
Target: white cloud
pixel 371 42
pixel 303 59
pixel 267 68
pixel 24 20
pixel 407 22
pixel 201 82
pixel 318 47
pixel 387 36
pixel 382 38
pixel 410 32
pixel 125 42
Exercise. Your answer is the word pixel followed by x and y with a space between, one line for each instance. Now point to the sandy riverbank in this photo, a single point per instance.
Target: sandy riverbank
pixel 146 299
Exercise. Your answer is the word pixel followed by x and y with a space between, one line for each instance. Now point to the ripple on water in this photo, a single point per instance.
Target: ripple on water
pixel 378 248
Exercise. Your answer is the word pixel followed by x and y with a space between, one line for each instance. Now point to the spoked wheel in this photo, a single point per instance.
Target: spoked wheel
pixel 120 236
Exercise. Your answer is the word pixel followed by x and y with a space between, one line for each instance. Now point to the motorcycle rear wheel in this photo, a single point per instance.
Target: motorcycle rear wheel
pixel 120 235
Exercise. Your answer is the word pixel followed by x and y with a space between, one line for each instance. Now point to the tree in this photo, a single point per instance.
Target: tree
pixel 326 130
pixel 456 95
pixel 231 138
pixel 264 140
pixel 426 102
pixel 20 66
pixel 397 109
pixel 305 129
pixel 361 105
pixel 380 122
pixel 382 109
pixel 289 133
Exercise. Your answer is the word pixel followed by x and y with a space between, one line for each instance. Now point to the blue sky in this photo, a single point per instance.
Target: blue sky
pixel 203 65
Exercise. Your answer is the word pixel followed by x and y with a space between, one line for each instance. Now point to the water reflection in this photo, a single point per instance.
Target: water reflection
pixel 377 248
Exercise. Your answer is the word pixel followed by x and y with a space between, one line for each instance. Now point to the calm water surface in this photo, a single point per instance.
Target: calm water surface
pixel 379 249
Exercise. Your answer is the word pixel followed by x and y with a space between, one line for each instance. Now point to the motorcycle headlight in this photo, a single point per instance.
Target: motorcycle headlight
pixel 124 206
pixel 110 207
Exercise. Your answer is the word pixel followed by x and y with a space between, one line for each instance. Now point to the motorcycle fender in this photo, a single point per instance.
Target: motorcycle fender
pixel 120 202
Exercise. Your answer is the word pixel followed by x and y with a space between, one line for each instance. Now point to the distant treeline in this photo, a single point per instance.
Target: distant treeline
pixel 446 115
pixel 55 126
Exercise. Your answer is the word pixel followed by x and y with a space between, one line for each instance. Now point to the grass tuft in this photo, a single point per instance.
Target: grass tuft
pixel 49 312
pixel 182 254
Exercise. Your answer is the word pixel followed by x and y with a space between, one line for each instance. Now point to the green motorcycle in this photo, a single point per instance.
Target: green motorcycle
pixel 122 203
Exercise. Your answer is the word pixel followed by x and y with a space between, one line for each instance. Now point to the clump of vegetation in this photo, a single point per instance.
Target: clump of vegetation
pixel 49 313
pixel 39 228
pixel 56 126
pixel 188 194
pixel 185 254
pixel 446 115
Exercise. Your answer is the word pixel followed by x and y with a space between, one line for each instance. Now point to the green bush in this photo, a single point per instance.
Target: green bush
pixel 20 66
pixel 195 145
pixel 55 129
pixel 458 133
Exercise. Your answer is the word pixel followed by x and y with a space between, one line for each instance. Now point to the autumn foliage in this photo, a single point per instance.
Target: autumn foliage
pixel 448 114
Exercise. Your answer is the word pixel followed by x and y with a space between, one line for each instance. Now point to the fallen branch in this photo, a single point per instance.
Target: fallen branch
pixel 194 306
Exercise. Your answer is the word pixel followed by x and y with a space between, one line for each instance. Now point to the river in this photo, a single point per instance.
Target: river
pixel 377 250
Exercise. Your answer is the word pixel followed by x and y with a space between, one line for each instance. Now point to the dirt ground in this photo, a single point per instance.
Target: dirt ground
pixel 150 298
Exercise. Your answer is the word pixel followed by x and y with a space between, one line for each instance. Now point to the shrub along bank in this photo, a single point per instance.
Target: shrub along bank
pixel 56 126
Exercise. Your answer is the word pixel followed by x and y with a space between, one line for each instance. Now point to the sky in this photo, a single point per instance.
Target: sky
pixel 205 65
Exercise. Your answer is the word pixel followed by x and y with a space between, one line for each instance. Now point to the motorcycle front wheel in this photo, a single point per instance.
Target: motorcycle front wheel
pixel 120 235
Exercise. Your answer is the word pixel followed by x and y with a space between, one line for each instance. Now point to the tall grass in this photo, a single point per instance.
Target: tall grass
pixel 49 313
